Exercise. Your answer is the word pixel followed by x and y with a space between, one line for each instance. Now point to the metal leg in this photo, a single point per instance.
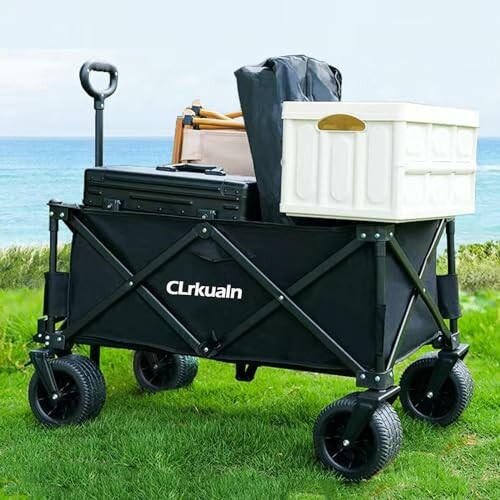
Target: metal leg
pixel 245 372
pixel 450 341
pixel 450 244
pixel 95 354
pixel 380 306
pixel 53 228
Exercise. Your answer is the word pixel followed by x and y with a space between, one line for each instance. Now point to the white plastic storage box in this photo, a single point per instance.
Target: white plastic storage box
pixel 389 162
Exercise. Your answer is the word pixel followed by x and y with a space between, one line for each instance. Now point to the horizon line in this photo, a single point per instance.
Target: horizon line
pixel 139 136
pixel 86 137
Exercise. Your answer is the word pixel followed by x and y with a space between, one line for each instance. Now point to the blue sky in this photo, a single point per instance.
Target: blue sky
pixel 169 53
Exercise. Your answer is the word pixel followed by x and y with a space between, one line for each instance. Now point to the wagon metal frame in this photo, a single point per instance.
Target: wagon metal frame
pixel 381 237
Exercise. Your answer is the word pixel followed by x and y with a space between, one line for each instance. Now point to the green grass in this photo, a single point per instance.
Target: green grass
pixel 221 439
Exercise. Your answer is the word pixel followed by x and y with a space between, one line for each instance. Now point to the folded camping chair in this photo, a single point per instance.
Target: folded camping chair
pixel 207 137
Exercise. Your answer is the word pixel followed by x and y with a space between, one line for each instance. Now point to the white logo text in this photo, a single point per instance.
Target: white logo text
pixel 199 290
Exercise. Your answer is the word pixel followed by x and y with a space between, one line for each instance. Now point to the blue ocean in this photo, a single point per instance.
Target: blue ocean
pixel 34 170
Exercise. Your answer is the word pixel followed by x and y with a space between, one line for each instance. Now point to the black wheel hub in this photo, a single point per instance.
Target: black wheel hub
pixel 431 406
pixel 158 369
pixel 353 455
pixel 66 405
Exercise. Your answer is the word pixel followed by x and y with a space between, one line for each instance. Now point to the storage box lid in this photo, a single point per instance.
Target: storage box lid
pixel 382 111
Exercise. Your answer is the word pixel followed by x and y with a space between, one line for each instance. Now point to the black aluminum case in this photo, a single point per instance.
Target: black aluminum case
pixel 194 194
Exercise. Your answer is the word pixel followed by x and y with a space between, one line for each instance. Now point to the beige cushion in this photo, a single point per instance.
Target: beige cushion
pixel 228 149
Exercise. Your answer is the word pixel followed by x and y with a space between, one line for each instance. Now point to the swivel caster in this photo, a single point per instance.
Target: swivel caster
pixel 375 446
pixel 444 407
pixel 81 392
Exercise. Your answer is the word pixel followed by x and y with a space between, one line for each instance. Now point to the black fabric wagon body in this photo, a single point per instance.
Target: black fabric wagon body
pixel 341 301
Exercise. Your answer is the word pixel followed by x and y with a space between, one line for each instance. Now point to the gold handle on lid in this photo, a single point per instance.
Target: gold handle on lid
pixel 342 123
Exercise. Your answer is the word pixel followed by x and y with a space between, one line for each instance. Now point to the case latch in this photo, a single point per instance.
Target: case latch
pixel 111 204
pixel 207 214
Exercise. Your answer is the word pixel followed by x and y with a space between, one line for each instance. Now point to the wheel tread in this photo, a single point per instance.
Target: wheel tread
pixel 97 380
pixel 188 371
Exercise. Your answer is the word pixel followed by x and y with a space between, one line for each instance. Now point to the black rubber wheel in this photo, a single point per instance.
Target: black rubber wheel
pixel 159 372
pixel 82 389
pixel 374 448
pixel 442 408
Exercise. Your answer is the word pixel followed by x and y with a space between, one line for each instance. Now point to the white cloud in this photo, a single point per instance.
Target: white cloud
pixel 34 70
pixel 27 71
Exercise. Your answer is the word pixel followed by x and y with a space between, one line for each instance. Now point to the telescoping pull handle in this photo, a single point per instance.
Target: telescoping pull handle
pixel 99 97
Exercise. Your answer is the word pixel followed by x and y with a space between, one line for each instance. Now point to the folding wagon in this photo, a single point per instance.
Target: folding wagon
pixel 346 298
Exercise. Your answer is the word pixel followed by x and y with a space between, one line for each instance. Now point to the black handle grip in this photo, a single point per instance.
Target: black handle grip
pixel 98 95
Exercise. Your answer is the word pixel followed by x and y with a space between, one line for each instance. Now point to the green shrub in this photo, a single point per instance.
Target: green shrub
pixel 24 267
pixel 478 266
